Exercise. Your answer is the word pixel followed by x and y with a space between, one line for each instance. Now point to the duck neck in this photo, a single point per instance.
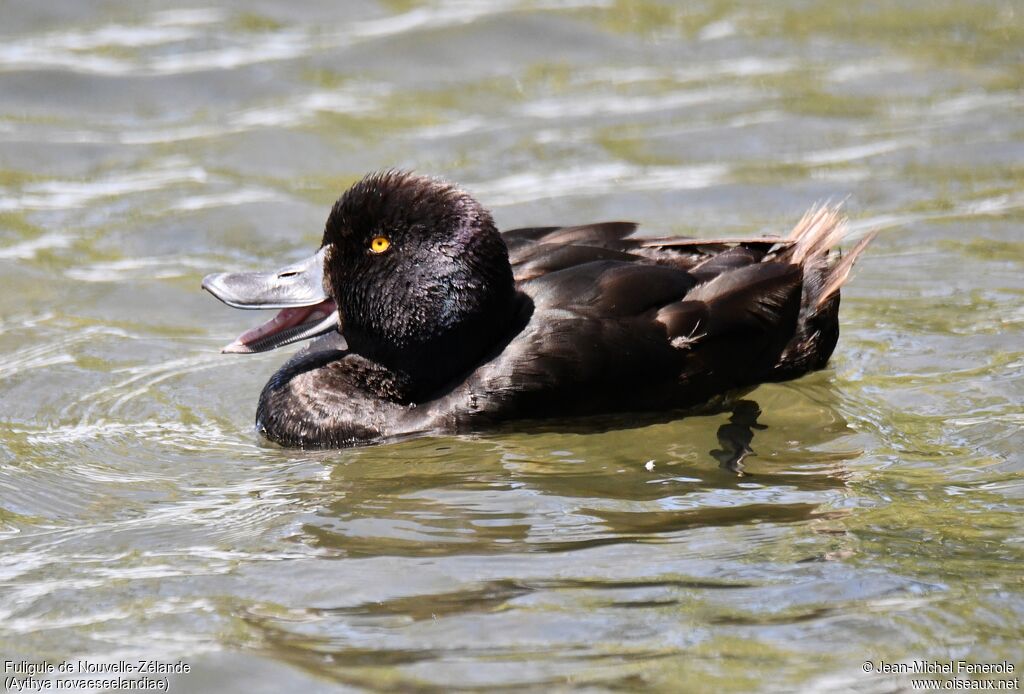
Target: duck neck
pixel 427 366
pixel 448 327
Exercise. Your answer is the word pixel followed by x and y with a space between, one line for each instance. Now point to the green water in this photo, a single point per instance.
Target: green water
pixel 143 146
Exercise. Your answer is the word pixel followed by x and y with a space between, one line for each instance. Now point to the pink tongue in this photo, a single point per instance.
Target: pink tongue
pixel 286 318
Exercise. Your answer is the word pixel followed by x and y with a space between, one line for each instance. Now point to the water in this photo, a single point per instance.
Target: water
pixel 144 145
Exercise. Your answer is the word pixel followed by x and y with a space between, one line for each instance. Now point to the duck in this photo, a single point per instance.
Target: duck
pixel 426 319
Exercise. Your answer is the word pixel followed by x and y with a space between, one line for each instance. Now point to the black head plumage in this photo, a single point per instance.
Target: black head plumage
pixel 420 274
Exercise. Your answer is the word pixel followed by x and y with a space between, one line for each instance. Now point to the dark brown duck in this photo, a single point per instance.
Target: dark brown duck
pixel 430 320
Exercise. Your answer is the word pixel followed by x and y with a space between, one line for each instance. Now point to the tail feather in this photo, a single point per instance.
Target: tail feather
pixel 818 232
pixel 839 273
pixel 812 243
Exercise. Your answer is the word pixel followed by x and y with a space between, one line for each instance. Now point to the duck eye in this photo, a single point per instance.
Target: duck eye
pixel 380 244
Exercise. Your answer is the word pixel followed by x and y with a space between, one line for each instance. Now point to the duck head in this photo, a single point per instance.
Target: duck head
pixel 420 275
pixel 417 272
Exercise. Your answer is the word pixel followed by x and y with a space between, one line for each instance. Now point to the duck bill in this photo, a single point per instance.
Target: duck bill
pixel 290 325
pixel 297 290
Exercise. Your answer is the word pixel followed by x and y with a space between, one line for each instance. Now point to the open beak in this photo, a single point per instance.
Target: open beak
pixel 298 290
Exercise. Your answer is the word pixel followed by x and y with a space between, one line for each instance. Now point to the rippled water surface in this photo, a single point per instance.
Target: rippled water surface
pixel 143 145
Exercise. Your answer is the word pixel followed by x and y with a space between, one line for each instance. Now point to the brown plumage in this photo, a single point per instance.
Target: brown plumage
pixel 456 326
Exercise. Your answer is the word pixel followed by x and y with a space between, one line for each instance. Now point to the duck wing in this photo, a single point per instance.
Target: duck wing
pixel 584 234
pixel 613 335
pixel 663 323
pixel 535 251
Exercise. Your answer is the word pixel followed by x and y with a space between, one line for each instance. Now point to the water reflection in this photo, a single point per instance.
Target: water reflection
pixel 429 511
pixel 549 492
pixel 736 436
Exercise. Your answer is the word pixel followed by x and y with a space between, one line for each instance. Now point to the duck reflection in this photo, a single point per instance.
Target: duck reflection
pixel 735 436
pixel 483 528
pixel 557 491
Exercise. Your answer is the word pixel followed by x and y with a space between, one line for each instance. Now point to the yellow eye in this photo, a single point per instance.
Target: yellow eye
pixel 380 244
